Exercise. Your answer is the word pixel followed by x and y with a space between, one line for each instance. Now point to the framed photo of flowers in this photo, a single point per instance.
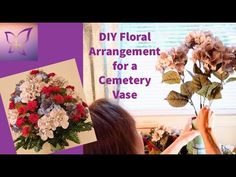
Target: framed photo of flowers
pixel 46 109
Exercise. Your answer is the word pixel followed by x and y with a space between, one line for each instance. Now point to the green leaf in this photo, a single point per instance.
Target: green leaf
pixel 53 141
pixel 57 147
pixel 33 144
pixel 74 137
pixel 20 138
pixel 204 90
pixel 218 66
pixel 171 77
pixel 63 142
pixel 221 75
pixel 199 81
pixel 186 89
pixel 29 143
pixel 207 73
pixel 63 91
pixel 176 99
pixel 211 91
pixel 196 69
pixel 231 79
pixel 82 126
pixel 19 145
pixel 39 145
pixel 215 93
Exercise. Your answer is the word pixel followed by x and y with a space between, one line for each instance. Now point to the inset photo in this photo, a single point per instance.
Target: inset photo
pixel 46 109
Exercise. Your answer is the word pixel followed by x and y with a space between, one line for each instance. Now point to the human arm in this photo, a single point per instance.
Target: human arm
pixel 187 135
pixel 203 124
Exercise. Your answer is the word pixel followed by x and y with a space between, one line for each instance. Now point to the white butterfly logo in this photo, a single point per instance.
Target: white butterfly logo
pixel 17 42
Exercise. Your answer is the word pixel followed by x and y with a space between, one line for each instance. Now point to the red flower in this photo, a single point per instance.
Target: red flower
pixel 76 117
pixel 81 110
pixel 70 87
pixel 34 72
pixel 22 110
pixel 33 118
pixel 46 91
pixel 12 105
pixel 54 89
pixel 25 131
pixel 68 98
pixel 20 121
pixel 58 99
pixel 51 74
pixel 51 89
pixel 32 105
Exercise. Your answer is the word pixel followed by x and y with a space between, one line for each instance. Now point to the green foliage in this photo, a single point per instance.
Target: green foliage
pixel 73 136
pixel 221 75
pixel 60 140
pixel 63 91
pixel 29 143
pixel 176 99
pixel 199 81
pixel 231 79
pixel 211 91
pixel 186 89
pixel 196 69
pixel 171 77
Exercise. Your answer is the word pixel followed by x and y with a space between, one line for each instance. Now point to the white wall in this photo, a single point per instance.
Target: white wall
pixel 224 126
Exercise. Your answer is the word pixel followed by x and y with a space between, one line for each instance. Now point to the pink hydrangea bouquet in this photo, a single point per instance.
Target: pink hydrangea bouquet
pixel 44 108
pixel 211 59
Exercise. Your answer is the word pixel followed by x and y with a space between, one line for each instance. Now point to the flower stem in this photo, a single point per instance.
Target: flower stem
pixel 200 95
pixel 204 100
pixel 191 102
pixel 210 103
pixel 190 99
pixel 200 102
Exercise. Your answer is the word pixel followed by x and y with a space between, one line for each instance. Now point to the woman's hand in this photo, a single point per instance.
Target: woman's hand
pixel 188 133
pixel 203 120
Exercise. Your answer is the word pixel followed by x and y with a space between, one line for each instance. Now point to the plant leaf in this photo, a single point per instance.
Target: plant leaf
pixel 56 148
pixel 211 91
pixel 199 81
pixel 218 66
pixel 171 77
pixel 186 89
pixel 231 79
pixel 176 99
pixel 215 92
pixel 196 69
pixel 204 90
pixel 221 75
pixel 74 137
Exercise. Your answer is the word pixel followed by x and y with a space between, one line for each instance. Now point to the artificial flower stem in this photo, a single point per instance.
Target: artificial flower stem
pixel 204 100
pixel 201 105
pixel 200 102
pixel 210 103
pixel 190 99
pixel 191 102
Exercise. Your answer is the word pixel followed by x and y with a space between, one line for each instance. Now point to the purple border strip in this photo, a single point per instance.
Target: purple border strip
pixel 56 42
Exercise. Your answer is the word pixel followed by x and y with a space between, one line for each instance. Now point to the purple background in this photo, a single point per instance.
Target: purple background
pixel 56 42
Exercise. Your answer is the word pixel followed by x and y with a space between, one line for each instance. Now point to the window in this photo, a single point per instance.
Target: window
pixel 150 99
